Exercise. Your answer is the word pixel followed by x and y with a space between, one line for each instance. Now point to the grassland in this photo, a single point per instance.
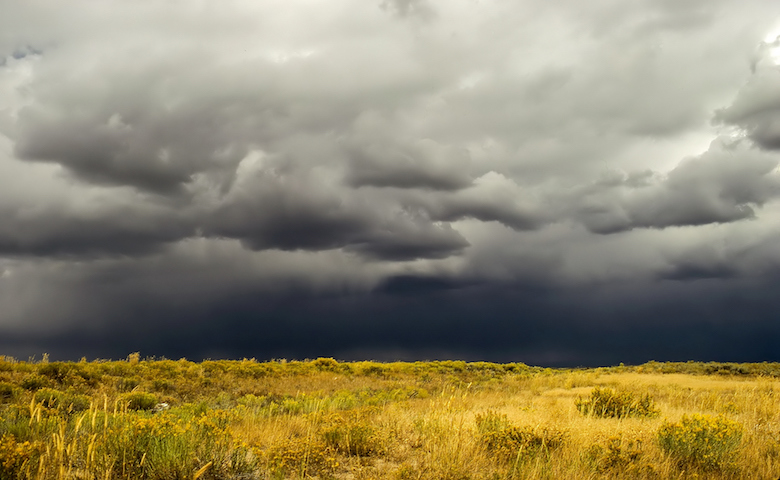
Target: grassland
pixel 366 420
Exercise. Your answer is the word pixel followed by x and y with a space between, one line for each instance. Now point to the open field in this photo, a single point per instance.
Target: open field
pixel 365 420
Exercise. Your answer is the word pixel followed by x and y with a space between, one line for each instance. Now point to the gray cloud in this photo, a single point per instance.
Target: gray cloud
pixel 292 210
pixel 722 185
pixel 424 164
pixel 153 127
pixel 421 9
pixel 756 109
pixel 407 238
pixel 110 149
pixel 493 197
pixel 703 262
pixel 32 231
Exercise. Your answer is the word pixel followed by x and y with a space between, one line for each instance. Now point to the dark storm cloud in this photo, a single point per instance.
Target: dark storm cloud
pixel 727 259
pixel 287 212
pixel 393 178
pixel 708 261
pixel 101 152
pixel 693 269
pixel 158 122
pixel 121 133
pixel 590 326
pixel 33 231
pixel 409 239
pixel 291 211
pixel 415 285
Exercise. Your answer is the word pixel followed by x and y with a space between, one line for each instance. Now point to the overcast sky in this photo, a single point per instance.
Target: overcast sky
pixel 557 183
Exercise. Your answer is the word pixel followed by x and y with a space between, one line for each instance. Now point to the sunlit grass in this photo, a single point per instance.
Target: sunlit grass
pixel 437 420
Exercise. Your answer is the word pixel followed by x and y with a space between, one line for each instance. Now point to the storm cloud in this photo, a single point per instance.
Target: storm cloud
pixel 583 183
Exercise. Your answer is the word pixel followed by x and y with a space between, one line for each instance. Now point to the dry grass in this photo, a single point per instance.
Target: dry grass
pixel 322 419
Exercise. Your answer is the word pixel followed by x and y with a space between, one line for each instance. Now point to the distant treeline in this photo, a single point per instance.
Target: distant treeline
pixel 92 373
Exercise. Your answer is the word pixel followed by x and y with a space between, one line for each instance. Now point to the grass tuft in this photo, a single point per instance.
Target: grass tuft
pixel 605 402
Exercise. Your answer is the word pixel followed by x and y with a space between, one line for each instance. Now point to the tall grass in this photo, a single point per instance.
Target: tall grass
pixel 331 420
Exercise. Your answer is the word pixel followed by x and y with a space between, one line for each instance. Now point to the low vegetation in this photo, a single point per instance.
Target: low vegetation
pixel 240 420
pixel 605 402
pixel 702 441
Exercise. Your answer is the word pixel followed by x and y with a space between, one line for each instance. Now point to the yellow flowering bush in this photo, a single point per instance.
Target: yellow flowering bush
pixel 14 455
pixel 174 443
pixel 306 456
pixel 702 441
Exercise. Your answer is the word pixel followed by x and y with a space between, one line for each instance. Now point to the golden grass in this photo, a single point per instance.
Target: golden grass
pixel 328 420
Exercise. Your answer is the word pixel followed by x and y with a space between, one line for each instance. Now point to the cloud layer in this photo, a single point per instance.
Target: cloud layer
pixel 396 179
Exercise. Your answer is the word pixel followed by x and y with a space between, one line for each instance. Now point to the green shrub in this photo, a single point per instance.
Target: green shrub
pixel 371 369
pixel 67 373
pixel 161 385
pixel 127 384
pixel 56 371
pixel 352 436
pixel 140 400
pixel 34 382
pixel 49 398
pixel 605 402
pixel 327 364
pixel 518 443
pixel 173 445
pixel 7 392
pixel 7 363
pixel 701 441
pixel 618 454
pixel 491 421
pixel 61 401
